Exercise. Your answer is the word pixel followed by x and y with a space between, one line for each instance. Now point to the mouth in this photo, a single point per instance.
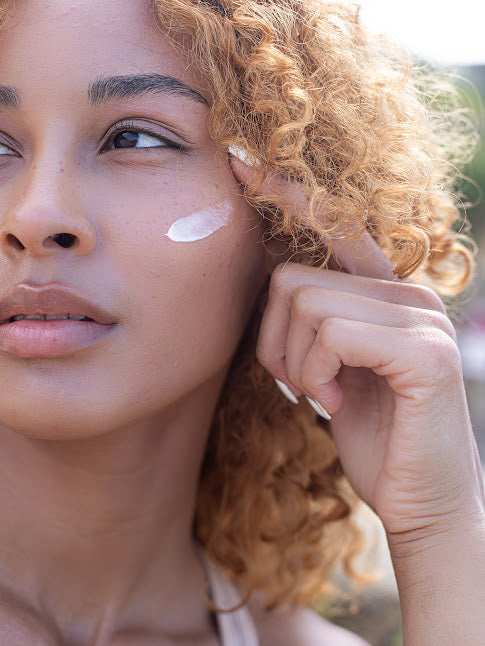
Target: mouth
pixel 27 301
pixel 47 317
pixel 35 337
pixel 50 322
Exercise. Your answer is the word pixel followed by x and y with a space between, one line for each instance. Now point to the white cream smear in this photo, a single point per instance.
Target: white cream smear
pixel 201 224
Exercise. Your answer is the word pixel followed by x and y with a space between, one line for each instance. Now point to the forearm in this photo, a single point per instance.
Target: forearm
pixel 441 582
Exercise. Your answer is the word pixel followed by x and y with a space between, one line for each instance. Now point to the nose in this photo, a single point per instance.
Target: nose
pixel 43 218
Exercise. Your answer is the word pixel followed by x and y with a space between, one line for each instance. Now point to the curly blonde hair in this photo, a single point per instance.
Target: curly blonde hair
pixel 302 87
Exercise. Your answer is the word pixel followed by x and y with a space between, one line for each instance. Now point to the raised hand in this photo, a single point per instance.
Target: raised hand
pixel 380 355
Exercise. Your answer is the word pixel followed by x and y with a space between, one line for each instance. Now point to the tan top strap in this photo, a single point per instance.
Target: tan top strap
pixel 236 628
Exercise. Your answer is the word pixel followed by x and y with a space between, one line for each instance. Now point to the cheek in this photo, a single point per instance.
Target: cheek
pixel 140 208
pixel 201 224
pixel 191 300
pixel 188 301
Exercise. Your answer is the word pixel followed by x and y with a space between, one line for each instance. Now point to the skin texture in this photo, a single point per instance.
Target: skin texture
pixel 96 521
pixel 399 417
pixel 136 407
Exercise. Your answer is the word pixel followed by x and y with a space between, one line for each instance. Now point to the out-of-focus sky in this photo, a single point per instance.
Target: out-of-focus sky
pixel 449 33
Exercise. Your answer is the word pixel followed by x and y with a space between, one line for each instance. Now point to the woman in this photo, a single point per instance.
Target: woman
pixel 147 458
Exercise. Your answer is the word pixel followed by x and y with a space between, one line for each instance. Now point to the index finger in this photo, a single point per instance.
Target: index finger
pixel 362 256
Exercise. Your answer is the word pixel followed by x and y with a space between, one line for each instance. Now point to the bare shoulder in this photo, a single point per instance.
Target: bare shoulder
pixel 302 627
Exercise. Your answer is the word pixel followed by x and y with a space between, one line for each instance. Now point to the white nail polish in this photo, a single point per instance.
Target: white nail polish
pixel 286 391
pixel 244 156
pixel 319 409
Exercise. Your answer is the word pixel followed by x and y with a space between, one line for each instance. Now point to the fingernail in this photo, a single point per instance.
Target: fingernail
pixel 286 391
pixel 244 156
pixel 319 409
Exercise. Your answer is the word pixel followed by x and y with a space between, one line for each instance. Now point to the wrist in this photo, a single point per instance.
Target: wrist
pixel 443 519
pixel 433 539
pixel 440 575
pixel 436 553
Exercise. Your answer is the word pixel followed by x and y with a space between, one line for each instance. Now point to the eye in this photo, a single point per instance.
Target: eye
pixel 133 139
pixel 6 150
pixel 124 137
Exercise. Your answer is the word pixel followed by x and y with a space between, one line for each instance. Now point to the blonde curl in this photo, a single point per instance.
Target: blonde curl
pixel 377 143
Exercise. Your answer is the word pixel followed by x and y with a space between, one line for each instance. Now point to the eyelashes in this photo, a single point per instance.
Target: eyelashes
pixel 6 150
pixel 127 135
pixel 8 146
pixel 121 137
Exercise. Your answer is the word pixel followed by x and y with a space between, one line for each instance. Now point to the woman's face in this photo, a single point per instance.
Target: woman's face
pixel 116 167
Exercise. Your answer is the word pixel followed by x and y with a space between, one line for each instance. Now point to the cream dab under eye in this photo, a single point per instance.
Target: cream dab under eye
pixel 201 224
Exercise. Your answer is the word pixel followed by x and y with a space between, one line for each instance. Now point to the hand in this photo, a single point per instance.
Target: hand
pixel 380 355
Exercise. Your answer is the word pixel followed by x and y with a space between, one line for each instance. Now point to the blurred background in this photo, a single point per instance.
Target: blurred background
pixel 450 36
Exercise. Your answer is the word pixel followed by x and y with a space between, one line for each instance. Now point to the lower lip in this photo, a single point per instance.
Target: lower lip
pixel 34 339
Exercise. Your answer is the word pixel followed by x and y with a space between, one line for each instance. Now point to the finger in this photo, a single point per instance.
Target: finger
pixel 361 256
pixel 289 276
pixel 287 279
pixel 364 257
pixel 415 364
pixel 313 305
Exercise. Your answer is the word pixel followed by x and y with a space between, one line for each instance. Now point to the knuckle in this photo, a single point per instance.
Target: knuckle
pixel 326 333
pixel 428 298
pixel 281 278
pixel 322 337
pixel 307 381
pixel 449 355
pixel 444 323
pixel 438 352
pixel 300 302
pixel 328 328
pixel 265 358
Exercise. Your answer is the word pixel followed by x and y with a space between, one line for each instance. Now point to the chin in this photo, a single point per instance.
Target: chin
pixel 52 419
pixel 47 427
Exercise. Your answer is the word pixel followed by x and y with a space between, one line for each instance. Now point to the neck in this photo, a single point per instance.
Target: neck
pixel 99 531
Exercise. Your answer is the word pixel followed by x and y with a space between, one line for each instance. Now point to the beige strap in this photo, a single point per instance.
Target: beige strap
pixel 237 627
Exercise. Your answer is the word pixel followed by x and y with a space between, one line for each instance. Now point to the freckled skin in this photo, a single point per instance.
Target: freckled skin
pixel 100 451
pixel 124 208
pixel 107 515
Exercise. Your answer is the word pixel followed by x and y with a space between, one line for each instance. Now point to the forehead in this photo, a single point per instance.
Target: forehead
pixel 95 16
pixel 87 38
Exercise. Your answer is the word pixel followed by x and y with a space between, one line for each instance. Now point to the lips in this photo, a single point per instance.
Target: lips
pixel 29 300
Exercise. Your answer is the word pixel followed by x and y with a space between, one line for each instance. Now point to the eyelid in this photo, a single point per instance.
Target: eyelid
pixel 133 125
pixel 8 143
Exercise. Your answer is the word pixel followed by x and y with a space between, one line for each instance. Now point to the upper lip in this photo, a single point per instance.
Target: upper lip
pixel 28 299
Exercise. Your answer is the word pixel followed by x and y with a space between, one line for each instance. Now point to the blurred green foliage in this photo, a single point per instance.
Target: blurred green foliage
pixel 376 615
pixel 472 87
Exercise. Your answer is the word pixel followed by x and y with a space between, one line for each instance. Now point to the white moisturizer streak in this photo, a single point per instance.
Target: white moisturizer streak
pixel 200 224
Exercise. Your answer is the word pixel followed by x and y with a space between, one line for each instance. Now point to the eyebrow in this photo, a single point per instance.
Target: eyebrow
pixel 9 97
pixel 107 88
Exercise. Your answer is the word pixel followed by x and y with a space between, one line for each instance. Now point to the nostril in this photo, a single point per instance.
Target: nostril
pixel 64 239
pixel 15 242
